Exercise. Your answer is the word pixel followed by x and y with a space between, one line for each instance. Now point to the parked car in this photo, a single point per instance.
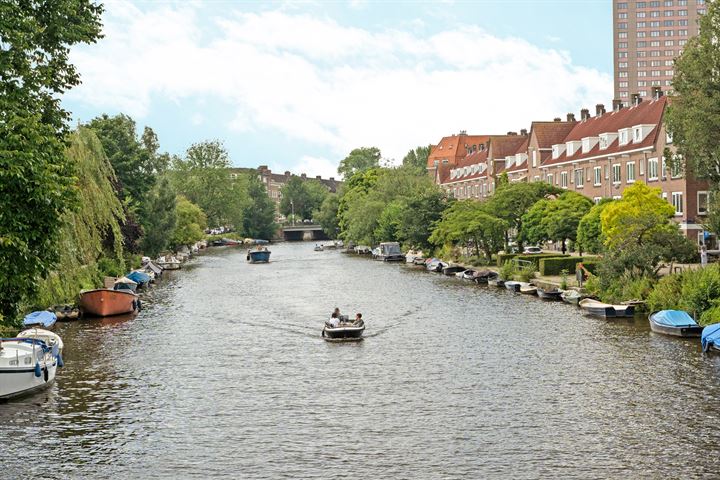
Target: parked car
pixel 532 250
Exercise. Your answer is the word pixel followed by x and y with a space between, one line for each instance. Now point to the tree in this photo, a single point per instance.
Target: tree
pixel 36 183
pixel 693 118
pixel 563 216
pixel 420 216
pixel 589 237
pixel 302 197
pixel 359 160
pixel 190 223
pixel 259 221
pixel 468 220
pixel 203 178
pixel 161 218
pixel 417 158
pixel 327 215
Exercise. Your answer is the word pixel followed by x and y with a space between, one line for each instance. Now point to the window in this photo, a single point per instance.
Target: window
pixel 637 134
pixel 622 35
pixel 655 73
pixel 668 23
pixel 702 203
pixel 617 173
pixel 683 13
pixel 642 54
pixel 549 178
pixel 668 137
pixel 639 35
pixel 639 25
pixel 677 202
pixel 640 4
pixel 623 137
pixel 622 45
pixel 655 53
pixel 652 169
pixel 622 26
pixel 655 63
pixel 597 200
pixel 641 44
pixel 641 73
pixel 669 13
pixel 669 73
pixel 622 54
pixel 579 177
pixel 668 3
pixel 669 63
pixel 683 33
pixel 669 53
pixel 630 172
pixel 642 64
pixel 623 74
pixel 623 65
pixel 598 176
pixel 534 158
pixel 563 179
pixel 623 84
pixel 640 15
pixel 622 6
pixel 669 43
pixel 622 16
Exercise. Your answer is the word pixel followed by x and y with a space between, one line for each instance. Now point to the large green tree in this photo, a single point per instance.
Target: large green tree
pixel 327 215
pixel 468 220
pixel 417 158
pixel 302 197
pixel 589 236
pixel 555 219
pixel 190 223
pixel 36 184
pixel 259 221
pixel 359 160
pixel 693 117
pixel 160 218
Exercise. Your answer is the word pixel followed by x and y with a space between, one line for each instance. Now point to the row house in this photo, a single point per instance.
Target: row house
pixel 598 156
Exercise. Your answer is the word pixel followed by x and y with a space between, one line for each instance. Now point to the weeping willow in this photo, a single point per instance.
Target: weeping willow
pixel 90 238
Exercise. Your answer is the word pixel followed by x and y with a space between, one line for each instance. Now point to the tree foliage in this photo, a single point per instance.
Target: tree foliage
pixel 693 117
pixel 36 184
pixel 555 219
pixel 302 197
pixel 259 221
pixel 359 160
pixel 589 236
pixel 327 215
pixel 190 223
pixel 160 218
pixel 468 221
pixel 417 158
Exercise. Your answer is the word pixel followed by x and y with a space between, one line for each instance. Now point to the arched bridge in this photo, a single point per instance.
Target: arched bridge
pixel 303 231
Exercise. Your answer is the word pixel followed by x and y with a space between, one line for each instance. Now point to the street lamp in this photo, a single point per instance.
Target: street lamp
pixel 292 207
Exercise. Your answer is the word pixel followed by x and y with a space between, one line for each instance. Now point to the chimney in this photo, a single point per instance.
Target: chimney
pixel 318 177
pixel 332 179
pixel 262 168
pixel 570 117
pixel 617 105
pixel 512 133
pixel 657 92
pixel 556 119
pixel 584 114
pixel 287 173
pixel 636 99
pixel 523 132
pixel 599 109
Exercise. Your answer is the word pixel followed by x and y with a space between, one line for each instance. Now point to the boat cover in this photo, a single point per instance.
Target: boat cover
pixel 153 268
pixel 125 280
pixel 138 277
pixel 673 318
pixel 44 318
pixel 710 336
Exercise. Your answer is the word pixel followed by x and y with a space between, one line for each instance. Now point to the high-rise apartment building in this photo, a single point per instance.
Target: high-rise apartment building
pixel 647 36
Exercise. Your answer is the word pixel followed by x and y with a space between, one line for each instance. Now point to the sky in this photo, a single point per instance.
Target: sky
pixel 296 85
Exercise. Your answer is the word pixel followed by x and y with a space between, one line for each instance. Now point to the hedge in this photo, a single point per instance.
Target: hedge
pixel 553 266
pixel 504 257
pixel 534 258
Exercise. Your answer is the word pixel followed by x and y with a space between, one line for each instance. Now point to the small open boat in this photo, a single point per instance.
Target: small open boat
pixel 345 331
pixel 419 261
pixel 710 338
pixel 528 289
pixel 42 318
pixel 168 263
pixel 65 312
pixel 125 284
pixel 138 276
pixel 674 322
pixel 468 274
pixel 600 309
pixel 452 270
pixel 572 297
pixel 496 282
pixel 483 277
pixel 26 365
pixel 513 286
pixel 553 294
pixel 104 302
pixel 258 255
pixel 318 248
pixel 436 265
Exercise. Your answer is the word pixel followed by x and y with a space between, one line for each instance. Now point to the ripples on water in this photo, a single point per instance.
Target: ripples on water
pixel 452 381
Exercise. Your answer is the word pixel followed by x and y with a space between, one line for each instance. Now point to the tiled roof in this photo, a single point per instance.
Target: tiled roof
pixel 453 147
pixel 550 133
pixel 503 145
pixel 646 113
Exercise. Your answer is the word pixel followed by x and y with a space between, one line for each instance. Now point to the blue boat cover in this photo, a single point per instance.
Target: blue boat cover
pixel 710 336
pixel 674 318
pixel 138 277
pixel 44 318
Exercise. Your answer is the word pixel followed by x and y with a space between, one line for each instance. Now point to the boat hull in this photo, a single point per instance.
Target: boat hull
pixel 169 265
pixel 604 310
pixel 258 257
pixel 687 331
pixel 452 270
pixel 554 295
pixel 513 286
pixel 105 303
pixel 23 379
pixel 348 333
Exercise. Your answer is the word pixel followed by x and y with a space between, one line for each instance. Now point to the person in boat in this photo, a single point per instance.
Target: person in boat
pixel 334 321
pixel 358 320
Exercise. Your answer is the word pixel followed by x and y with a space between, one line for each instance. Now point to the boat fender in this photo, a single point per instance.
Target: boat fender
pixel 139 305
pixel 38 372
pixel 47 373
pixel 60 361
pixel 323 333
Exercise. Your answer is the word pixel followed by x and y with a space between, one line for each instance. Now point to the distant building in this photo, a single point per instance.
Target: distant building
pixel 275 181
pixel 647 37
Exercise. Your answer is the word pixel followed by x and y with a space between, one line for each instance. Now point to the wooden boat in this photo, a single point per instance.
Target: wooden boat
pixel 553 294
pixel 513 286
pixel 452 270
pixel 528 289
pixel 710 338
pixel 572 297
pixel 345 331
pixel 104 302
pixel 605 310
pixel 674 322
pixel 26 365
pixel 258 255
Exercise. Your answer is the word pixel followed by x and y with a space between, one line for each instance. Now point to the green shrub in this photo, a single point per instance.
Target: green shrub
pixel 526 273
pixel 554 265
pixel 710 316
pixel 667 294
pixel 627 287
pixel 591 265
pixel 700 289
pixel 563 279
pixel 507 271
pixel 504 257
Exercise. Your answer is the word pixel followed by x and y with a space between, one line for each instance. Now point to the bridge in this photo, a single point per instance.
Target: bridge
pixel 303 231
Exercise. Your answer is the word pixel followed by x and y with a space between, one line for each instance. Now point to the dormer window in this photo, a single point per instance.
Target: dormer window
pixel 588 143
pixel 572 147
pixel 637 135
pixel 624 136
pixel 557 150
pixel 606 139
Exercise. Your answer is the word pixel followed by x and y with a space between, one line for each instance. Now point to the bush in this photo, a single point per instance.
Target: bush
pixel 626 287
pixel 535 259
pixel 667 294
pixel 700 289
pixel 591 265
pixel 555 265
pixel 526 273
pixel 504 257
pixel 507 271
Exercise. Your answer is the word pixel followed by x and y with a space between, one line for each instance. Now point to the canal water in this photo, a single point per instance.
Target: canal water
pixel 224 374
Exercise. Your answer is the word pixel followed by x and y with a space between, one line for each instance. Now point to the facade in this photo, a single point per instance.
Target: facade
pixel 647 36
pixel 598 156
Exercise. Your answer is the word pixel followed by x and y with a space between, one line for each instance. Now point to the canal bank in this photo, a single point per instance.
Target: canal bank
pixel 224 373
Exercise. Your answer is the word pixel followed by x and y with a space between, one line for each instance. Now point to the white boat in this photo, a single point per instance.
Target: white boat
pixel 168 263
pixel 412 255
pixel 50 338
pixel 26 365
pixel 606 310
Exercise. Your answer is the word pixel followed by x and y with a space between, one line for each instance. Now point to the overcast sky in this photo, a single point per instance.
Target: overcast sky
pixel 297 85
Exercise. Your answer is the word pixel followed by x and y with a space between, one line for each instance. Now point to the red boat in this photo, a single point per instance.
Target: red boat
pixel 103 302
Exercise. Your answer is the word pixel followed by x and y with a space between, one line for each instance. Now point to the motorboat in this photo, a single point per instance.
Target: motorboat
pixel 468 274
pixel 513 286
pixel 674 322
pixel 345 331
pixel 125 284
pixel 41 318
pixel 550 294
pixel 65 312
pixel 150 267
pixel 318 248
pixel 436 265
pixel 710 338
pixel 389 252
pixel 26 366
pixel 412 255
pixel 605 310
pixel 50 338
pixel 258 254
pixel 139 277
pixel 496 282
pixel 329 246
pixel 452 270
pixel 528 289
pixel 572 297
pixel 168 263
pixel 420 261
pixel 483 277
pixel 104 302
pixel 362 250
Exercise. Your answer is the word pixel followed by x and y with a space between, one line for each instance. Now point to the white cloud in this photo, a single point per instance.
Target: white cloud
pixel 313 166
pixel 310 78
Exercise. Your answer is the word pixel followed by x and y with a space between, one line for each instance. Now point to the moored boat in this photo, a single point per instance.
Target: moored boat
pixel 549 294
pixel 125 284
pixel 139 277
pixel 420 261
pixel 572 297
pixel 345 331
pixel 436 265
pixel 606 310
pixel 65 312
pixel 26 365
pixel 483 277
pixel 318 248
pixel 674 322
pixel 51 339
pixel 468 274
pixel 452 270
pixel 528 289
pixel 710 338
pixel 496 282
pixel 168 263
pixel 41 318
pixel 513 286
pixel 103 302
pixel 389 252
pixel 258 255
